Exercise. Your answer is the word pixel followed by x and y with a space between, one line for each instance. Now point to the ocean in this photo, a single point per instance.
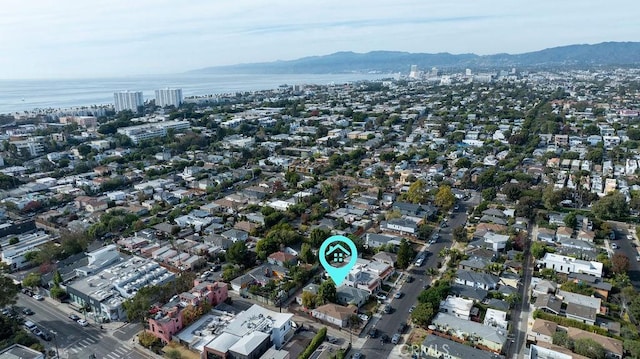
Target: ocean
pixel 28 95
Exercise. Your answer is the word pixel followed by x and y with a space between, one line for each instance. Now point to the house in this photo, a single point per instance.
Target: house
pixel 310 288
pixel 546 235
pixel 282 259
pixel 260 275
pixel 543 350
pixel 474 264
pixel 456 306
pixel 567 265
pixel 496 318
pixel 463 291
pixel 612 347
pixel 375 240
pixel 438 347
pixel 335 314
pixel 548 303
pixel 587 236
pixel 542 331
pixel 581 313
pixel 347 295
pixel 563 233
pixel 477 280
pixel 601 287
pixel 402 226
pixel 557 219
pixel 542 287
pixel 17 351
pixel 587 301
pixel 489 337
pixel 235 235
pixel 386 258
pixel 497 242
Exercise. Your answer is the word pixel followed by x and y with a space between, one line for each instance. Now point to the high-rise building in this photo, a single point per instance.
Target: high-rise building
pixel 128 100
pixel 168 97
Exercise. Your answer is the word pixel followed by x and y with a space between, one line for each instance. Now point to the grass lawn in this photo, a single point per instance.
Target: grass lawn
pixel 184 352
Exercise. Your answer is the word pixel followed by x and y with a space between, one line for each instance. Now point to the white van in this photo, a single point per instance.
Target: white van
pixel 30 325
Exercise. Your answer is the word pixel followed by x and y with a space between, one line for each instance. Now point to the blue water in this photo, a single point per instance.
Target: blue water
pixel 27 95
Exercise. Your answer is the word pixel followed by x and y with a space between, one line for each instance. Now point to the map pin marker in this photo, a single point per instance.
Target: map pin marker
pixel 337 249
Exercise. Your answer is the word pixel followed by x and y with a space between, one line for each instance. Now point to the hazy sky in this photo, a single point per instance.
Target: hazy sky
pixel 89 38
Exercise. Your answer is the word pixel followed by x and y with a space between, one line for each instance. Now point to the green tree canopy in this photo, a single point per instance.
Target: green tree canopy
pixel 612 206
pixel 32 280
pixel 327 292
pixel 405 254
pixel 445 199
pixel 237 253
pixel 422 314
pixel 8 289
pixel 417 192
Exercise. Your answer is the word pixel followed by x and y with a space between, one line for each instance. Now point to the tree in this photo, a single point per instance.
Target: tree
pixel 489 194
pixel 32 280
pixel 619 263
pixel 460 234
pixel 309 300
pixel 422 314
pixel 571 220
pixel 306 255
pixel 292 178
pixel 562 339
pixel 417 192
pixel 147 340
pixel 589 348
pixel 405 254
pixel 445 199
pixel 173 354
pixel 551 198
pixel 327 292
pixel 8 289
pixel 538 249
pixel 237 253
pixel 57 277
pixel 57 292
pixel 317 236
pixel 612 206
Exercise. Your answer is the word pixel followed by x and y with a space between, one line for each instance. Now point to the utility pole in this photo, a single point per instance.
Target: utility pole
pixel 55 342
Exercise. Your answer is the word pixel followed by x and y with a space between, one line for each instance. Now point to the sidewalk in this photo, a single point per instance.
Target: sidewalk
pixel 67 309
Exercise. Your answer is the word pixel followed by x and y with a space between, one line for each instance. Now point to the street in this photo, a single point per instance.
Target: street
pixel 75 341
pixel 627 248
pixel 388 323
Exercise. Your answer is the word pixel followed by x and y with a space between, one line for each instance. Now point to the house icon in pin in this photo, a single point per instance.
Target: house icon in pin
pixel 337 252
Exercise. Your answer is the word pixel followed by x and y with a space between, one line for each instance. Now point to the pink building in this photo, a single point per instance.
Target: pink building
pixel 168 320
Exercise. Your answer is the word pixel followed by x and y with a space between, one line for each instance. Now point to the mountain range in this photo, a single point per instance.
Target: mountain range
pixel 602 54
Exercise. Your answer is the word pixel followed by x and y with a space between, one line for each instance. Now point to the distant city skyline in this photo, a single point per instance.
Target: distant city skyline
pixel 78 39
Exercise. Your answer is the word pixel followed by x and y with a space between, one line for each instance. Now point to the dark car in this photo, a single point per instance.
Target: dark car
pixel 73 317
pixel 384 338
pixel 402 327
pixel 373 333
pixel 409 279
pixel 27 311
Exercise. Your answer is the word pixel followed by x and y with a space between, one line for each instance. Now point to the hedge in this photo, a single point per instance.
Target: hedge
pixel 315 343
pixel 568 322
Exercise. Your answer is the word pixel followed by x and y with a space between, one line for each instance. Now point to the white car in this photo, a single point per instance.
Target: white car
pixel 38 297
pixel 83 322
pixel 363 317
pixel 614 246
pixel 397 295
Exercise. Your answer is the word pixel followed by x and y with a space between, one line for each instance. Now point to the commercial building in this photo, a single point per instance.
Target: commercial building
pixel 128 100
pixel 17 351
pixel 152 130
pixel 169 97
pixel 568 265
pixel 110 279
pixel 13 254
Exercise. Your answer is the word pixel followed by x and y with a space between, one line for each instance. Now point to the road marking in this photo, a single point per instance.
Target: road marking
pixel 115 356
pixel 74 350
pixel 122 350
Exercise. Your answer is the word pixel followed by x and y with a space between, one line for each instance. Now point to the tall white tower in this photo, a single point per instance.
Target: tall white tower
pixel 169 97
pixel 128 100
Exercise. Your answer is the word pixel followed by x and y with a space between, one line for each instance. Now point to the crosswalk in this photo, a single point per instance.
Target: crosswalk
pixel 116 353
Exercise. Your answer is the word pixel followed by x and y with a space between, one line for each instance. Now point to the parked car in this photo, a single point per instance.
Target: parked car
pixel 381 297
pixel 402 327
pixel 384 338
pixel 412 308
pixel 398 295
pixel 74 317
pixel 395 339
pixel 27 311
pixel 82 322
pixel 363 317
pixel 387 309
pixel 409 279
pixel 614 246
pixel 373 333
pixel 38 297
pixel 637 258
pixel 357 355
